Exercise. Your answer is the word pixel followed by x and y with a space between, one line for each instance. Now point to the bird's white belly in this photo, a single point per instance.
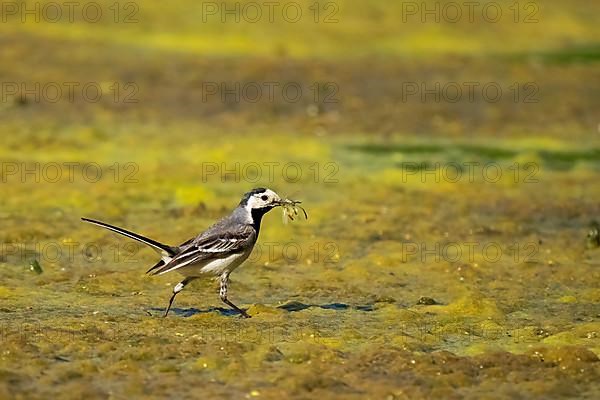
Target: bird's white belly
pixel 215 267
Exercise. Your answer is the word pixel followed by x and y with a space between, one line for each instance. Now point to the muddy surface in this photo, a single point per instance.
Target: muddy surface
pixel 450 248
pixel 396 286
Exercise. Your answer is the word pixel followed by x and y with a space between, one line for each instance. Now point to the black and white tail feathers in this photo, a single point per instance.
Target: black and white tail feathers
pixel 165 251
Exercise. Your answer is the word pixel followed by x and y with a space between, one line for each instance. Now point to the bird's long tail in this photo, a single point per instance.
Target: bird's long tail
pixel 165 250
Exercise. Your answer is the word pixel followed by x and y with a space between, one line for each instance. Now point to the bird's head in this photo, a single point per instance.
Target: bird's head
pixel 260 199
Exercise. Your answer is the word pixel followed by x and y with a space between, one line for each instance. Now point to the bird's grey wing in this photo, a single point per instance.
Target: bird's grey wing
pixel 214 245
pixel 165 260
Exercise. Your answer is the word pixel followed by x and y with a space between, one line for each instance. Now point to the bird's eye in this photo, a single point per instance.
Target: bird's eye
pixel 264 197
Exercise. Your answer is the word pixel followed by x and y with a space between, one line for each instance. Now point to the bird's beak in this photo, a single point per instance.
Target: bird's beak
pixel 282 202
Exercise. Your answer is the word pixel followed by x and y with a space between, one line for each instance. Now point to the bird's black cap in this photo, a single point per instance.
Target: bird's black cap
pixel 251 193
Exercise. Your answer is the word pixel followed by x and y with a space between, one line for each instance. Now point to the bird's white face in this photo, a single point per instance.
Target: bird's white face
pixel 266 199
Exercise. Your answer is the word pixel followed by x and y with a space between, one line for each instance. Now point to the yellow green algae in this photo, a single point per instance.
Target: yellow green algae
pixel 340 318
pixel 366 299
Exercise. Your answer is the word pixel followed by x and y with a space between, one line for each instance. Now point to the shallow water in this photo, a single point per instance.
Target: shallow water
pixel 399 285
pixel 446 254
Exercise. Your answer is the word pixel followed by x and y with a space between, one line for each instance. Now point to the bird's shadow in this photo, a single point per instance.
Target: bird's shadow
pixel 293 306
pixel 188 312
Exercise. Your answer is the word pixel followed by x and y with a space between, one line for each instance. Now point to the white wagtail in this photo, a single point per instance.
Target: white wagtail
pixel 218 250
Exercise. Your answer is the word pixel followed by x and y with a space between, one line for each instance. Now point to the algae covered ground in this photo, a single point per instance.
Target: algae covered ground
pixel 451 249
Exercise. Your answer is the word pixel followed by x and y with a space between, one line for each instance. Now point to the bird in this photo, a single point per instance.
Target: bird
pixel 217 251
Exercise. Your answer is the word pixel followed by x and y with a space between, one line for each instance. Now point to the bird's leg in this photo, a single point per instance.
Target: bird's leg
pixel 223 294
pixel 178 288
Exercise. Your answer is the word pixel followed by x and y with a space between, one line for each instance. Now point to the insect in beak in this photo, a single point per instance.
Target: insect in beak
pixel 290 209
